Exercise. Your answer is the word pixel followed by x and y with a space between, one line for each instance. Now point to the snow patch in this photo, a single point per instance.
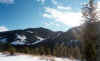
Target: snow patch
pixel 3 40
pixel 20 40
pixel 30 31
pixel 18 43
pixel 40 39
pixel 21 37
pixel 31 58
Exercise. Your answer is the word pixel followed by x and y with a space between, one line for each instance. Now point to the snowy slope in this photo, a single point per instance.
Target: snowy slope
pixel 3 40
pixel 31 58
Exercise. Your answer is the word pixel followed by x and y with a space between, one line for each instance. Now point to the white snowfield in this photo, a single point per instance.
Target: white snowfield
pixel 4 57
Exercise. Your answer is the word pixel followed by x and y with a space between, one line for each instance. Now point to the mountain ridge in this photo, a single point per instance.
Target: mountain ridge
pixel 39 36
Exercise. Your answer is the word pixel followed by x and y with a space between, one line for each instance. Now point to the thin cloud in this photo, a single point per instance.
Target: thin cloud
pixel 46 24
pixel 52 23
pixel 41 1
pixel 3 28
pixel 54 2
pixel 98 10
pixel 47 15
pixel 7 1
pixel 64 7
pixel 98 5
pixel 69 18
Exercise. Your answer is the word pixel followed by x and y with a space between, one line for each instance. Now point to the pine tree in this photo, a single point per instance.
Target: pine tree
pixel 37 51
pixel 89 31
pixel 27 50
pixel 11 49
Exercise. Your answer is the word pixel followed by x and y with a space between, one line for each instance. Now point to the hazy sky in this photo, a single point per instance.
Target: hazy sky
pixel 52 14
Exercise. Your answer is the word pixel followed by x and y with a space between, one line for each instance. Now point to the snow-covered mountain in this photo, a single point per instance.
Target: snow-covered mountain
pixel 38 36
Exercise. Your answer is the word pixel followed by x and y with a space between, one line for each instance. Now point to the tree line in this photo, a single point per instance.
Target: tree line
pixel 59 50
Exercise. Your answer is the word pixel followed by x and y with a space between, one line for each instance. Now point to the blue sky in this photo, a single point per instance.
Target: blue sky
pixel 57 15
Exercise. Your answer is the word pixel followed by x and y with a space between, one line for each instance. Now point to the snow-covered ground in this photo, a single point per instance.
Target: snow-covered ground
pixel 4 57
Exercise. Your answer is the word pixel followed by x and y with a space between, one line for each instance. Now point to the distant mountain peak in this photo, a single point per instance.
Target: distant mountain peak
pixel 37 36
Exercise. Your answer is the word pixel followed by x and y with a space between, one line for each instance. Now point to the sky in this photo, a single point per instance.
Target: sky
pixel 57 15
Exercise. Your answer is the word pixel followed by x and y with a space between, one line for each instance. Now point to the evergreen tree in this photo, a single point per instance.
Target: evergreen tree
pixel 27 50
pixel 11 49
pixel 89 32
pixel 37 52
